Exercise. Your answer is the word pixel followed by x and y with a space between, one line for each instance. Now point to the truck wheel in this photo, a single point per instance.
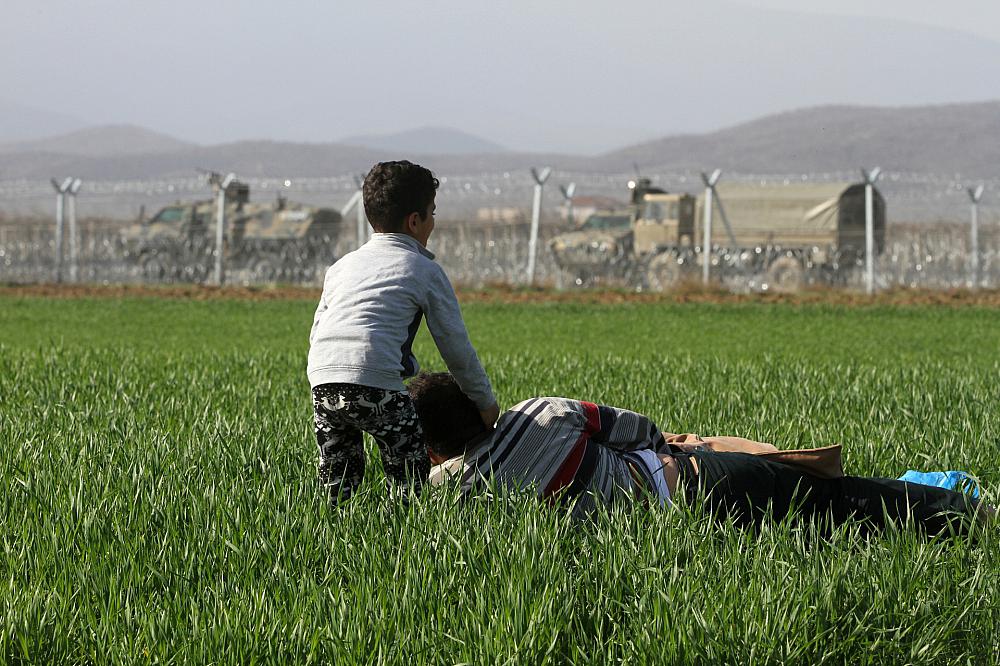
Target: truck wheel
pixel 785 275
pixel 152 267
pixel 663 273
pixel 264 269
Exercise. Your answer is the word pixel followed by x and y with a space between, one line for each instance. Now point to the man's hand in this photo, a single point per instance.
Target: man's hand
pixel 490 415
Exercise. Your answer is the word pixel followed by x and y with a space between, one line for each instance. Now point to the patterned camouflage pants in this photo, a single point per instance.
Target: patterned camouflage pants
pixel 342 412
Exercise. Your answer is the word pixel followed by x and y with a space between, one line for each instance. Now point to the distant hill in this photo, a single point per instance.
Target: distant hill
pixel 954 138
pixel 105 141
pixel 938 139
pixel 248 158
pixel 19 122
pixel 427 141
pixel 255 158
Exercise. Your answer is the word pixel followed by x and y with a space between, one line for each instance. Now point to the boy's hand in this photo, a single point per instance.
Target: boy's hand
pixel 490 415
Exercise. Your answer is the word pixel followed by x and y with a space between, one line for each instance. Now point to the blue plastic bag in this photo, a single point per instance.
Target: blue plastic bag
pixel 952 480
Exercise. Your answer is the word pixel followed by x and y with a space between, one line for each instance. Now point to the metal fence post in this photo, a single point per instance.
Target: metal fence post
pixel 362 224
pixel 74 234
pixel 870 178
pixel 359 211
pixel 536 213
pixel 568 191
pixel 706 248
pixel 355 201
pixel 220 226
pixel 975 195
pixel 61 189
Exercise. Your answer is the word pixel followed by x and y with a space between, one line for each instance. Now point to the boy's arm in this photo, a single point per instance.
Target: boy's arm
pixel 320 309
pixel 490 415
pixel 444 321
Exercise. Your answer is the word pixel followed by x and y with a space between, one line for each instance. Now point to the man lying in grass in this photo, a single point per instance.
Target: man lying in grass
pixel 585 454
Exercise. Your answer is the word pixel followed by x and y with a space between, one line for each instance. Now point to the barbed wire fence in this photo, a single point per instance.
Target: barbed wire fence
pixel 483 236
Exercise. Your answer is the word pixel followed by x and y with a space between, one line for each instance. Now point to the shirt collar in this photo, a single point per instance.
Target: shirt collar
pixel 405 239
pixel 482 440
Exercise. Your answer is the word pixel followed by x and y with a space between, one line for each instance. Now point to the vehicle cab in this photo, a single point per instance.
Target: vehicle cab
pixel 664 220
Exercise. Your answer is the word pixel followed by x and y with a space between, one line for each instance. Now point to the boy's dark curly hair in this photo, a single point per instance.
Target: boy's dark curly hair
pixel 393 190
pixel 448 417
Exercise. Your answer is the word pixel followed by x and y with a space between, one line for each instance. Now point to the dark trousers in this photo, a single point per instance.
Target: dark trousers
pixel 748 488
pixel 342 412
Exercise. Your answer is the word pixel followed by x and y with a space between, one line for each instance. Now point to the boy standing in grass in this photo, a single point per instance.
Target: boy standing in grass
pixel 360 345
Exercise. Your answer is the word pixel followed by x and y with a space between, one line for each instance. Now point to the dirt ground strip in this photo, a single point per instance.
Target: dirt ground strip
pixel 506 294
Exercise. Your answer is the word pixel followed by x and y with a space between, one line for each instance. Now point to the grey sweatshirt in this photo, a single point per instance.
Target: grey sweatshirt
pixel 372 303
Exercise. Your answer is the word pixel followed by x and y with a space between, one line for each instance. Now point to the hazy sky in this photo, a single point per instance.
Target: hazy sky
pixel 578 76
pixel 979 17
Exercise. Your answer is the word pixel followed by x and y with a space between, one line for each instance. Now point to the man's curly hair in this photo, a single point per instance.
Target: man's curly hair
pixel 448 417
pixel 393 190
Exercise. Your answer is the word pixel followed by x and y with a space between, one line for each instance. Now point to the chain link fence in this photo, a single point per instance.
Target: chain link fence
pixel 484 235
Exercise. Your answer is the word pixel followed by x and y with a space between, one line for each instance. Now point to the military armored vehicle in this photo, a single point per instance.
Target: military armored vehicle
pixel 600 247
pixel 787 234
pixel 273 241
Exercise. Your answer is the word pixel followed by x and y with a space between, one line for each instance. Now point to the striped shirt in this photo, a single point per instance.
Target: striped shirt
pixel 565 451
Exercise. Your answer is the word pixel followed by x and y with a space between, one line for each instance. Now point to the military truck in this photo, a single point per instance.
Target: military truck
pixel 274 241
pixel 785 234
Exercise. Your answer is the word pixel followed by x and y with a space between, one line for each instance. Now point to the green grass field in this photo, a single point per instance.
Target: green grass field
pixel 159 503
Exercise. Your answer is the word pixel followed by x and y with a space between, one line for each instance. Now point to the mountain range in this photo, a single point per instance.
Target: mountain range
pixel 439 140
pixel 19 122
pixel 104 141
pixel 936 139
pixel 952 138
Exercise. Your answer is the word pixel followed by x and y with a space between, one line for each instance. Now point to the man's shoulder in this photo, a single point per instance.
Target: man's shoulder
pixel 546 404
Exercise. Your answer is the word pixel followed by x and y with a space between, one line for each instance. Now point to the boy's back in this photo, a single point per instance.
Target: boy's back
pixel 372 305
pixel 360 346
